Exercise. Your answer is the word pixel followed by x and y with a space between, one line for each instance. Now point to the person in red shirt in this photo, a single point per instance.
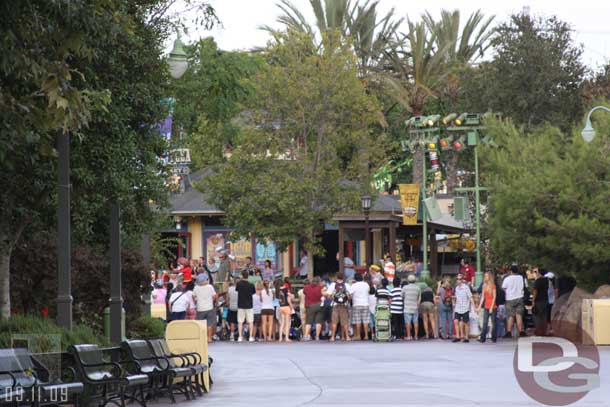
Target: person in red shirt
pixel 186 271
pixel 313 306
pixel 467 270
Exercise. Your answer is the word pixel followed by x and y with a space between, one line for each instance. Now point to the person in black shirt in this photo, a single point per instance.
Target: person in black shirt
pixel 245 312
pixel 541 303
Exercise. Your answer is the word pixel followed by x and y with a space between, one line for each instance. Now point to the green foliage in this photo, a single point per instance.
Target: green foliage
pixel 31 325
pixel 369 33
pixel 598 85
pixel 209 97
pixel 34 280
pixel 92 69
pixel 549 205
pixel 146 327
pixel 535 76
pixel 305 145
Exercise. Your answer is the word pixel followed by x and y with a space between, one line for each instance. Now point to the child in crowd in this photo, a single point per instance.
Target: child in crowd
pixel 257 307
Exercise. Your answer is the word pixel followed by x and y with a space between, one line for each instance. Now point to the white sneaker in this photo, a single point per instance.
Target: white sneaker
pixel 251 339
pixel 240 339
pixel 231 338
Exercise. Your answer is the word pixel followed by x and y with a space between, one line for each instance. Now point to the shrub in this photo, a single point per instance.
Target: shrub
pixel 34 280
pixel 43 330
pixel 146 327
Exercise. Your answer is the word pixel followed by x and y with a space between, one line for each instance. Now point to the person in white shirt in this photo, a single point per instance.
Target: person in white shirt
pixel 257 306
pixel 389 268
pixel 205 296
pixel 303 264
pixel 267 312
pixel 359 292
pixel 513 286
pixel 179 302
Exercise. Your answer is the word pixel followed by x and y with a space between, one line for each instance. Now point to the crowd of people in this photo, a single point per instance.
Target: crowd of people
pixel 256 306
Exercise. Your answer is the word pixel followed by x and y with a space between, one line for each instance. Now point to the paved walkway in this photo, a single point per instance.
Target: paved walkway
pixel 430 373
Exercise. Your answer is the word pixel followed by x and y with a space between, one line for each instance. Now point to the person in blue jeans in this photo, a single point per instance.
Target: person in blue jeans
pixel 445 309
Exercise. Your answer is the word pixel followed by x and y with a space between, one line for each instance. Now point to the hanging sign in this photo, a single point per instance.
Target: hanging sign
pixel 409 201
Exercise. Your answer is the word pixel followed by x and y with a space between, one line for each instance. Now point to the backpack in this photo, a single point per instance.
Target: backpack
pixel 340 297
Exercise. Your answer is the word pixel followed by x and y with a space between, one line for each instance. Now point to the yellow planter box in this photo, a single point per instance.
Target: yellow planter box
pixel 189 336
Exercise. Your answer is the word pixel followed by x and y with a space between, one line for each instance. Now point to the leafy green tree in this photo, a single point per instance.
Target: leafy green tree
pixel 209 98
pixel 598 85
pixel 305 150
pixel 41 95
pixel 93 69
pixel 549 199
pixel 535 76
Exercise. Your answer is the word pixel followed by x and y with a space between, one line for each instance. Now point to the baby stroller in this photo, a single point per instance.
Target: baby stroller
pixel 383 329
pixel 295 327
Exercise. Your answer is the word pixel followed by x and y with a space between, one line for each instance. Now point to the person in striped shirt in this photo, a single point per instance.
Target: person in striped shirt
pixel 389 269
pixel 383 293
pixel 396 310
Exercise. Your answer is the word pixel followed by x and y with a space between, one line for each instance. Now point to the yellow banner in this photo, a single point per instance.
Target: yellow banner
pixel 409 200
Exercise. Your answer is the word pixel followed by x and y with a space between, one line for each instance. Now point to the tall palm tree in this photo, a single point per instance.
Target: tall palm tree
pixel 417 70
pixel 467 45
pixel 370 33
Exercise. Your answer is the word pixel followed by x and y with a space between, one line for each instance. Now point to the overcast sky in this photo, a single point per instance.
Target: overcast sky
pixel 589 19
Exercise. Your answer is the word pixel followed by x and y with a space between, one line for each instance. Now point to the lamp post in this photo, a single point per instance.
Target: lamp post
pixel 365 201
pixel 588 133
pixel 178 64
pixel 64 292
pixel 425 273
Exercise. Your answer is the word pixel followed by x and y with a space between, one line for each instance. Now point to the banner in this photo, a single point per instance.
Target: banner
pixel 409 201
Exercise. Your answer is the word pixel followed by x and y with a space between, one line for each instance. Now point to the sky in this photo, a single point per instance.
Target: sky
pixel 241 19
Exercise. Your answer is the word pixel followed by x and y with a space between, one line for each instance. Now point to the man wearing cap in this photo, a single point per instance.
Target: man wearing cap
pixel 205 295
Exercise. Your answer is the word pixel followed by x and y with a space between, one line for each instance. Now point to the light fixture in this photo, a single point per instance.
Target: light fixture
pixel 431 120
pixel 449 118
pixel 177 60
pixel 588 133
pixel 458 143
pixel 460 119
pixel 178 221
pixel 365 202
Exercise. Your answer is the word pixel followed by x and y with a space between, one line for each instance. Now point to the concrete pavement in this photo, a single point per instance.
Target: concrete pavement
pixel 425 373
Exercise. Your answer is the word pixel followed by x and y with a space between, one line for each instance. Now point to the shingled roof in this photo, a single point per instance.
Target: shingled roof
pixel 192 201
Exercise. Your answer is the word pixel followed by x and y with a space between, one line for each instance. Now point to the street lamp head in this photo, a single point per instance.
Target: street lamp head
pixel 177 60
pixel 365 201
pixel 588 133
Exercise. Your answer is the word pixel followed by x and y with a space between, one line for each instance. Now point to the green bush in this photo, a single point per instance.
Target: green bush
pixel 146 327
pixel 44 332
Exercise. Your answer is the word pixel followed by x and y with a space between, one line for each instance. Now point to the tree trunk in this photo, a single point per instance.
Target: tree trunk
pixel 418 157
pixel 5 292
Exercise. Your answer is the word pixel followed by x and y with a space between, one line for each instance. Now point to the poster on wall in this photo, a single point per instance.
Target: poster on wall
pixel 241 249
pixel 212 241
pixel 266 251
